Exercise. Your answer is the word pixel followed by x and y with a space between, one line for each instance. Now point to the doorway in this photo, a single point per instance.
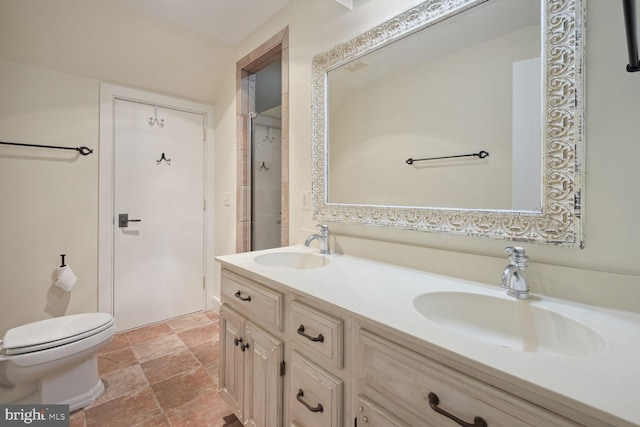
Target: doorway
pixel 152 206
pixel 266 159
pixel 261 207
pixel 158 205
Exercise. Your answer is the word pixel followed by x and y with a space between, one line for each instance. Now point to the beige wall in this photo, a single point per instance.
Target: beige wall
pixel 607 271
pixel 53 56
pixel 107 41
pixel 50 207
pixel 49 198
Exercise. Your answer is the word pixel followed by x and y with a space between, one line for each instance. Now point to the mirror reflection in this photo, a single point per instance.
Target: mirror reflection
pixel 362 125
pixel 471 83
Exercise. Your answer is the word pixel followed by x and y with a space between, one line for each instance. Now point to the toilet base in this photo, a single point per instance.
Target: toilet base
pixel 77 387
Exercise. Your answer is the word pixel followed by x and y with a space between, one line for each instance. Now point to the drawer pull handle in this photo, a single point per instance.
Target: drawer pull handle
pixel 434 401
pixel 319 338
pixel 318 408
pixel 239 295
pixel 237 341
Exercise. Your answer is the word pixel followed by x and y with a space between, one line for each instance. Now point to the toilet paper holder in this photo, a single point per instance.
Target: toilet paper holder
pixel 66 278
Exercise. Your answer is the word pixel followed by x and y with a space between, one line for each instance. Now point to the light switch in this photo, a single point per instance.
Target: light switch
pixel 304 200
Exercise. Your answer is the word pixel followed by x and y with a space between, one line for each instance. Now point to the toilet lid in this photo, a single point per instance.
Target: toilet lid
pixel 54 332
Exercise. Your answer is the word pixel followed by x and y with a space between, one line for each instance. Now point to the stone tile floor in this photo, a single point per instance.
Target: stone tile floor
pixel 164 374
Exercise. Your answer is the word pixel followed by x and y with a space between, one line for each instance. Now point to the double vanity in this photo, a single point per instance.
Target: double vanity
pixel 313 340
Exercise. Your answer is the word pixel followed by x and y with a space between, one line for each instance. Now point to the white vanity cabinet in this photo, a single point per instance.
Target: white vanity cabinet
pixel 252 355
pixel 398 386
pixel 339 370
pixel 305 350
pixel 353 340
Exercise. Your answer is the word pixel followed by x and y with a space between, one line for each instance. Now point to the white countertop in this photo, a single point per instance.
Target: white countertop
pixel 605 385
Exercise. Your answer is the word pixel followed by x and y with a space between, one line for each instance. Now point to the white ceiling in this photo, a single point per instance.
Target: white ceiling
pixel 227 20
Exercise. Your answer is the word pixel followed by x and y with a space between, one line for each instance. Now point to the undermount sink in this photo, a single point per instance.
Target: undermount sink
pixel 513 324
pixel 293 260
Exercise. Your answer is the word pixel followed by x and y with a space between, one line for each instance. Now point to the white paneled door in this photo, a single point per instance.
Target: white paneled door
pixel 159 186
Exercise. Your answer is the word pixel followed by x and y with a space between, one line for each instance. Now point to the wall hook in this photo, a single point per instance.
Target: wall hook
pixel 163 158
pixel 269 138
pixel 154 120
pixel 264 166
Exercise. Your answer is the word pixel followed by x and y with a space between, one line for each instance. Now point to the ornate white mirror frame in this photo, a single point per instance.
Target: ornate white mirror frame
pixel 559 222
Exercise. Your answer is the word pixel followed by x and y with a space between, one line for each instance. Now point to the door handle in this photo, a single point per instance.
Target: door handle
pixel 123 220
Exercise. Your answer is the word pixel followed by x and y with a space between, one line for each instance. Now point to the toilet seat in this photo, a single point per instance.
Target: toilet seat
pixel 55 332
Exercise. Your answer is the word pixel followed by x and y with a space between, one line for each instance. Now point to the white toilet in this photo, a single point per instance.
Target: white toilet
pixel 54 361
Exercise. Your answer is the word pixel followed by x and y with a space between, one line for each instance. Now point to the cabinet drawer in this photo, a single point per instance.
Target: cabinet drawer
pixel 258 303
pixel 406 379
pixel 372 415
pixel 317 333
pixel 316 395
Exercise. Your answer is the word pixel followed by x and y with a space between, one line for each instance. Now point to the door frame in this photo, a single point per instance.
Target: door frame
pixel 276 48
pixel 109 93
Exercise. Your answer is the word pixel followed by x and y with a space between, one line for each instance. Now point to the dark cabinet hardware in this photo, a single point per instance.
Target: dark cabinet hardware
pixel 434 402
pixel 319 338
pixel 239 295
pixel 243 347
pixel 317 408
pixel 237 341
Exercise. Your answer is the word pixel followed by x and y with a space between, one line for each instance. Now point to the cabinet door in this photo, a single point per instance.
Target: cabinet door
pixel 231 368
pixel 263 379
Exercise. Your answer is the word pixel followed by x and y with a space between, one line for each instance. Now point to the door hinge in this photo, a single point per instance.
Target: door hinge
pixel 204 134
pixel 282 368
pixel 204 279
pixel 204 204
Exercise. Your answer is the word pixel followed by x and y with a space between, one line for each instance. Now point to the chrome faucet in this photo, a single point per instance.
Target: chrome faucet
pixel 514 276
pixel 324 238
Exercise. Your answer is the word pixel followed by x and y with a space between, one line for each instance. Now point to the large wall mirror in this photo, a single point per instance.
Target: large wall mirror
pixel 457 117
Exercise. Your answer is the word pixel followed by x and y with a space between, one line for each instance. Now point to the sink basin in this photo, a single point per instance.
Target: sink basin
pixel 514 324
pixel 293 260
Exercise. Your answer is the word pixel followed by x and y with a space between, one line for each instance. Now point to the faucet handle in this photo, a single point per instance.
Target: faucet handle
pixel 514 251
pixel 517 254
pixel 323 228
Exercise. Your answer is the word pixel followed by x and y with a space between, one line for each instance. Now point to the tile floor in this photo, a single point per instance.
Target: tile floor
pixel 165 374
